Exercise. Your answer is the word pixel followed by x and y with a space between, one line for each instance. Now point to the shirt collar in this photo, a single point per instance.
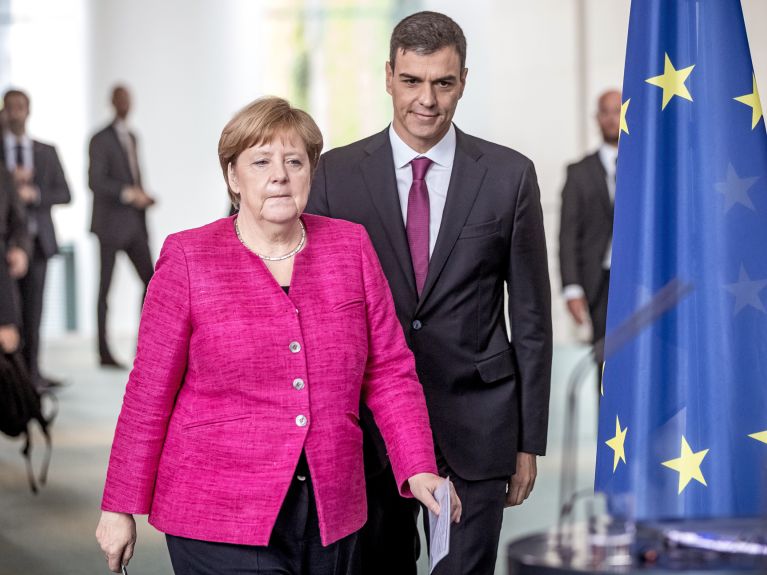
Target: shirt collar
pixel 121 126
pixel 11 140
pixel 608 155
pixel 442 153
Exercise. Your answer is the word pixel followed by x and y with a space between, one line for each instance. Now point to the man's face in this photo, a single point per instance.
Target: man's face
pixel 121 102
pixel 425 90
pixel 16 113
pixel 609 116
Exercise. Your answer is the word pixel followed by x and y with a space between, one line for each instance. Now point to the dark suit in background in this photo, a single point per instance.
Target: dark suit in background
pixel 585 233
pixel 119 226
pixel 586 227
pixel 51 183
pixel 487 397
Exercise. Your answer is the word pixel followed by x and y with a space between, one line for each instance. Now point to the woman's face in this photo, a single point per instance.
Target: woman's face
pixel 273 179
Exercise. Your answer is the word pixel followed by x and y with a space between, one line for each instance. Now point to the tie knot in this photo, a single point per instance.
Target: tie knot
pixel 420 167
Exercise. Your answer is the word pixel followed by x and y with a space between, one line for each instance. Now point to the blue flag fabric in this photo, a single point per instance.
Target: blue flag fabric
pixel 683 416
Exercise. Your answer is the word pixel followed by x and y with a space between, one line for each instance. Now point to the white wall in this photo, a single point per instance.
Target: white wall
pixel 535 69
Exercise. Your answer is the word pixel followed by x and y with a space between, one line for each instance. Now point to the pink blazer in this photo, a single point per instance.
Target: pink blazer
pixel 233 378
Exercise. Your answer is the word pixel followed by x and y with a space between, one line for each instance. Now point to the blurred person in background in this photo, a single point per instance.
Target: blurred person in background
pixel 119 208
pixel 586 227
pixel 14 258
pixel 260 335
pixel 39 182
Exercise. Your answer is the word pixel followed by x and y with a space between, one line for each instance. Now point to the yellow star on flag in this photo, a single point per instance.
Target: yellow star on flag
pixel 688 465
pixel 624 109
pixel 617 444
pixel 672 82
pixel 761 436
pixel 752 100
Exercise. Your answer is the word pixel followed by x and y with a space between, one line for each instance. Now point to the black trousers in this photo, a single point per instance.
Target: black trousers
pixel 138 253
pixel 294 547
pixel 473 541
pixel 32 290
pixel 389 541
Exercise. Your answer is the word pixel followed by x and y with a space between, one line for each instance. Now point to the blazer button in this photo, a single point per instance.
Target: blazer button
pixel 301 421
pixel 295 347
pixel 298 383
pixel 417 324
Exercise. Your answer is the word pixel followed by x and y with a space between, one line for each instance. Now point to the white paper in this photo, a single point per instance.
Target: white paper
pixel 439 526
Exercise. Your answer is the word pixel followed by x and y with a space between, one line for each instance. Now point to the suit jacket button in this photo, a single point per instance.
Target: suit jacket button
pixel 298 383
pixel 295 347
pixel 417 324
pixel 301 421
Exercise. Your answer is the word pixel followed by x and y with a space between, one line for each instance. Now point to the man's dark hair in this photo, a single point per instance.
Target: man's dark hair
pixel 425 33
pixel 15 92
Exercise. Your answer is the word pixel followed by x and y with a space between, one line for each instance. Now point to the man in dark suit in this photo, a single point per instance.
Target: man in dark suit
pixel 119 208
pixel 586 229
pixel 40 184
pixel 14 259
pixel 453 218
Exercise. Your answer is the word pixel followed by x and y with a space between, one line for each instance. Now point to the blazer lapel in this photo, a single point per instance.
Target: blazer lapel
pixel 599 177
pixel 123 153
pixel 381 182
pixel 465 182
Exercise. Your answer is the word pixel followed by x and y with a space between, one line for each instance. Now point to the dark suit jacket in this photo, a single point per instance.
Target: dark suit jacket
pixel 586 226
pixel 13 233
pixel 50 180
pixel 487 397
pixel 109 172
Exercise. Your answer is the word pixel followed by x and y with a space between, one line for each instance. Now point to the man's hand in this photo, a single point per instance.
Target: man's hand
pixel 9 338
pixel 18 262
pixel 423 486
pixel 22 176
pixel 578 309
pixel 142 200
pixel 136 197
pixel 522 482
pixel 116 534
pixel 28 194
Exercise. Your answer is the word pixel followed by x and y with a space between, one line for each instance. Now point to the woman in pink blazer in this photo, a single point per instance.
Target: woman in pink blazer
pixel 239 432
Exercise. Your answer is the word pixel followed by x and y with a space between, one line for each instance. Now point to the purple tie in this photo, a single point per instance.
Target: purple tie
pixel 418 221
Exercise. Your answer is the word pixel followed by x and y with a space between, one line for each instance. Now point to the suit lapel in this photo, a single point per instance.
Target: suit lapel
pixel 465 182
pixel 599 178
pixel 381 183
pixel 123 152
pixel 39 162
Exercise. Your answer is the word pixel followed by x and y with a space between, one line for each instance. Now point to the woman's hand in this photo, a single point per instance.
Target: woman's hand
pixel 423 486
pixel 116 534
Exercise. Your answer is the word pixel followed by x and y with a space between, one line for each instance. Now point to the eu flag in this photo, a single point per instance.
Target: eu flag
pixel 683 416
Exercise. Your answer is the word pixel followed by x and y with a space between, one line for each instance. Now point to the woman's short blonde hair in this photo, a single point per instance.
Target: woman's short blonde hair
pixel 258 123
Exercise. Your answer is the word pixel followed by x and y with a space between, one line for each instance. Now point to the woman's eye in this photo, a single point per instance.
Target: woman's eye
pixel 260 162
pixel 295 163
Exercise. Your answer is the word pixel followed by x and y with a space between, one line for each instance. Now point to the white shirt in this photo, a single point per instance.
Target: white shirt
pixel 437 177
pixel 608 155
pixel 11 141
pixel 124 135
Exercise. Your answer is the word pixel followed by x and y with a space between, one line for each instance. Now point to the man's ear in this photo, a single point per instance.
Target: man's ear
pixel 389 77
pixel 464 73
